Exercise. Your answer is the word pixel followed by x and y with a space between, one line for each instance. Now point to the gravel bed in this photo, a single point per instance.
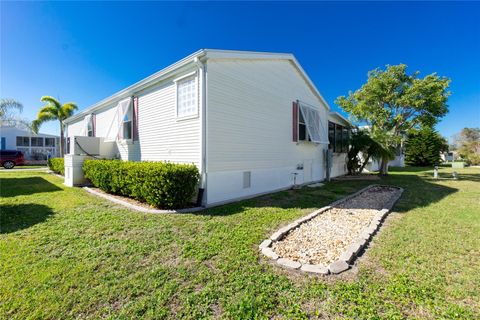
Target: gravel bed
pixel 323 239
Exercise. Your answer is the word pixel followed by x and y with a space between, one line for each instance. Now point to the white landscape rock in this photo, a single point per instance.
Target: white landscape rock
pixel 313 268
pixel 265 244
pixel 338 267
pixel 268 252
pixel 330 238
pixel 289 263
pixel 328 234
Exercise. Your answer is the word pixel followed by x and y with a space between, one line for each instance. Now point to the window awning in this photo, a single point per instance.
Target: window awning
pixel 117 121
pixel 312 123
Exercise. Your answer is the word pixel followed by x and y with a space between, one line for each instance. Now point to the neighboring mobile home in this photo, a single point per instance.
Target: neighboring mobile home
pixel 399 161
pixel 252 122
pixel 34 146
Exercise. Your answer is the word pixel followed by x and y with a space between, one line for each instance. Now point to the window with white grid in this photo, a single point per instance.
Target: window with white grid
pixel 186 97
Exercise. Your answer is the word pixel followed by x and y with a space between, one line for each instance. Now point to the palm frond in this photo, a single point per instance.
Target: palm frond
pixel 9 104
pixel 68 109
pixel 51 101
pixel 41 118
pixel 48 109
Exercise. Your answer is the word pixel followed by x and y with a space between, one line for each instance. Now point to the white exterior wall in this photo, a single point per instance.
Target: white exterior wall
pixel 76 128
pixel 339 165
pixel 103 119
pixel 161 136
pixel 249 128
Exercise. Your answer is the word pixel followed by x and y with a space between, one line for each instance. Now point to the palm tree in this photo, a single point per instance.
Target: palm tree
pixel 362 142
pixel 7 105
pixel 9 116
pixel 54 110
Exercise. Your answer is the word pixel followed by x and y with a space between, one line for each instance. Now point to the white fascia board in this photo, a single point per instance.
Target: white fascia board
pixel 135 88
pixel 232 54
pixel 310 83
pixel 337 116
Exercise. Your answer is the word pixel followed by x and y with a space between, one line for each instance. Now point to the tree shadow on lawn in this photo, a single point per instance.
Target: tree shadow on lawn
pixel 16 217
pixel 12 187
pixel 418 192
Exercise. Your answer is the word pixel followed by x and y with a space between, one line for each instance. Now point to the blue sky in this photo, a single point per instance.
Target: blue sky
pixel 86 51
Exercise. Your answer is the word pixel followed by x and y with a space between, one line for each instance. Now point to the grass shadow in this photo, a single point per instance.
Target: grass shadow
pixel 22 216
pixel 12 187
pixel 420 191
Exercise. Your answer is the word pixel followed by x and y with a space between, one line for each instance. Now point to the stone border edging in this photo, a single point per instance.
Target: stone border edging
pixel 346 258
pixel 140 208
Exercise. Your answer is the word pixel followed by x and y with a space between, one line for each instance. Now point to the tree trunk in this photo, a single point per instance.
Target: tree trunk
pixel 62 142
pixel 384 167
pixel 364 164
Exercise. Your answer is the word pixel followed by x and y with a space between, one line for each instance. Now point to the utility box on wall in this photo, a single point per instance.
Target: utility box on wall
pixel 73 169
pixel 82 148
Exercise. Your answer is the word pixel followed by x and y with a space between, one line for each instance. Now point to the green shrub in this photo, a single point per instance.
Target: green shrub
pixel 160 184
pixel 57 165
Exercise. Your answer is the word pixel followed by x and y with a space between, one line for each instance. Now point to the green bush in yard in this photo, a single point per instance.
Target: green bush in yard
pixel 57 165
pixel 160 184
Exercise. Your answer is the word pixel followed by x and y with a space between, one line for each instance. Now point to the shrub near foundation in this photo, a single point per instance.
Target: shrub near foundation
pixel 57 165
pixel 160 184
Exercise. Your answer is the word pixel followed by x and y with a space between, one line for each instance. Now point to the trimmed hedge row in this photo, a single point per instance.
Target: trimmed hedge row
pixel 160 184
pixel 57 165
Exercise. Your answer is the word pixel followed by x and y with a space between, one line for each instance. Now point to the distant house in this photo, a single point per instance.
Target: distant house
pixel 449 156
pixel 33 146
pixel 252 122
pixel 399 161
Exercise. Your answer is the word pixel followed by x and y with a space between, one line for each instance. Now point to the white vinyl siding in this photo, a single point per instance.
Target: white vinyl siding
pixel 76 128
pixel 103 120
pixel 161 135
pixel 250 115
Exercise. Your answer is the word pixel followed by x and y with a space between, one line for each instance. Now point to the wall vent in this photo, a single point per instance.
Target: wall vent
pixel 247 175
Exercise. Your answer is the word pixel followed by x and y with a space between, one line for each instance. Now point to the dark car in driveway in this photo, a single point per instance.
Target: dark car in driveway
pixel 11 158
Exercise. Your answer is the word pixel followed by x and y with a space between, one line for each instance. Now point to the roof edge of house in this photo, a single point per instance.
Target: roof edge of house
pixel 341 117
pixel 208 53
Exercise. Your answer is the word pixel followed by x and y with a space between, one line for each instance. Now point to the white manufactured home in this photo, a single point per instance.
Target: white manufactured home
pixel 252 123
pixel 34 146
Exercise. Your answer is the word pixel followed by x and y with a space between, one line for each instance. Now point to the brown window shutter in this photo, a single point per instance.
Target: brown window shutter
pixel 295 121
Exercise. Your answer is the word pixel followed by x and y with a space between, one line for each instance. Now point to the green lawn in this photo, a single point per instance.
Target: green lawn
pixel 67 254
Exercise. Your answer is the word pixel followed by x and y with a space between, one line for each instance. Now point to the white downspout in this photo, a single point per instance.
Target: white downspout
pixel 203 124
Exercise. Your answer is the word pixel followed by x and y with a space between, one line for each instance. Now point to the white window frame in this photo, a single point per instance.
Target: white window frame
pixel 179 80
pixel 128 113
pixel 88 125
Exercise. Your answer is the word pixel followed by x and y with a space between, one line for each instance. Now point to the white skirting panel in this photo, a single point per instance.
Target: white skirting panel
pixel 339 165
pixel 227 186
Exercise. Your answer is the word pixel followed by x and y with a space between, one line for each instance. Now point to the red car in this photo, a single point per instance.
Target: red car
pixel 11 158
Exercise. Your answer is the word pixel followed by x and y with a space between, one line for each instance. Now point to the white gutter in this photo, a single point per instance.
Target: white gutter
pixel 203 124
